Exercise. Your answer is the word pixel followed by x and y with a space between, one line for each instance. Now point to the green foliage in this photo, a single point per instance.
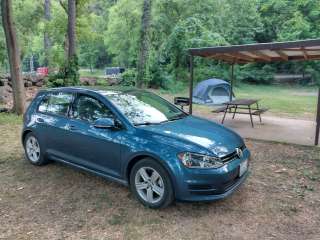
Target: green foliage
pixel 188 33
pixel 121 37
pixel 27 16
pixel 92 50
pixel 102 82
pixel 67 76
pixel 289 19
pixel 55 80
pixel 108 35
pixel 173 86
pixel 156 73
pixel 72 72
pixel 129 77
pixel 3 50
pixel 207 69
pixel 255 73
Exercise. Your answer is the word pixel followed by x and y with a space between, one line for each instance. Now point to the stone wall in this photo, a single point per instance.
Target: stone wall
pixel 31 83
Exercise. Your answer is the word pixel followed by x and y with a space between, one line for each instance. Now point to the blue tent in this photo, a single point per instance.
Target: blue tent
pixel 212 91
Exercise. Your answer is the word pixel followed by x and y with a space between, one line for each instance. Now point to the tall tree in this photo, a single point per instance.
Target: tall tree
pixel 71 29
pixel 144 42
pixel 121 37
pixel 46 39
pixel 13 56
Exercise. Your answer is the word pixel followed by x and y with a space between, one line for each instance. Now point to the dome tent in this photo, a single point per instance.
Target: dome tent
pixel 211 91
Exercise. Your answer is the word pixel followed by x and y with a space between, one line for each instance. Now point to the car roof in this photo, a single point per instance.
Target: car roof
pixel 105 93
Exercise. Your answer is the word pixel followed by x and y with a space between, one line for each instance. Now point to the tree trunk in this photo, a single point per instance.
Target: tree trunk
pixel 46 39
pixel 13 56
pixel 144 42
pixel 71 28
pixel 66 46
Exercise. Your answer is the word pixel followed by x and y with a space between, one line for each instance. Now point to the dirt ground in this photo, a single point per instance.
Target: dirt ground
pixel 280 200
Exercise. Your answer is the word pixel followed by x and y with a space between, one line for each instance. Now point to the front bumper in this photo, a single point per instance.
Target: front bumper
pixel 211 184
pixel 213 197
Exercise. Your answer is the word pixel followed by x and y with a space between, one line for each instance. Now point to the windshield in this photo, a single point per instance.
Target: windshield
pixel 143 108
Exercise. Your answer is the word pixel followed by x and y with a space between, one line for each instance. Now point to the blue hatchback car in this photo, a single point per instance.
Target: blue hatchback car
pixel 138 139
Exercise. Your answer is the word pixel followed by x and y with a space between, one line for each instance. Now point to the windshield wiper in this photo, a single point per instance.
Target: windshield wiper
pixel 179 116
pixel 146 123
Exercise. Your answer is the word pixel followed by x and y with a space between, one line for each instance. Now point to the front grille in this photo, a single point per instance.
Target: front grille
pixel 196 189
pixel 211 190
pixel 231 156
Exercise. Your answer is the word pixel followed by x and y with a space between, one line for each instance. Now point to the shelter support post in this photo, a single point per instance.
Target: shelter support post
pixel 316 140
pixel 231 81
pixel 191 85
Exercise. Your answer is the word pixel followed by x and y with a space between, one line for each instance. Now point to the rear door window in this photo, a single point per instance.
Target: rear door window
pixel 56 103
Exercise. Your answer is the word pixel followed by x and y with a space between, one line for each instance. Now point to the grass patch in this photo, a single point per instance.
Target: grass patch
pixel 291 101
pixel 94 73
pixel 10 118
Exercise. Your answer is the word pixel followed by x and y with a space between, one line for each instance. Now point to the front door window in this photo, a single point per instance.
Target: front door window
pixel 89 109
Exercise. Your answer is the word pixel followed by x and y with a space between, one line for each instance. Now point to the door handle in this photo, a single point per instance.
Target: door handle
pixel 40 120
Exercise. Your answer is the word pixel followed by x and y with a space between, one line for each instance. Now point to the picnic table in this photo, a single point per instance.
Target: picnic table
pixel 246 106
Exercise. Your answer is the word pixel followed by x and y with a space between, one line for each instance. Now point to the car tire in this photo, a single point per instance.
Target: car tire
pixel 33 150
pixel 148 175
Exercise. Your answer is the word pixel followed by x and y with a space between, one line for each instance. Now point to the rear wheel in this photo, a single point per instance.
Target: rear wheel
pixel 33 150
pixel 151 184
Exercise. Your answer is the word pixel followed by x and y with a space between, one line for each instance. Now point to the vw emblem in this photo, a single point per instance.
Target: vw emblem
pixel 239 152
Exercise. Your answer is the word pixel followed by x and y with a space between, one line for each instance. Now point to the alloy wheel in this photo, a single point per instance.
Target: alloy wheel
pixel 33 149
pixel 149 185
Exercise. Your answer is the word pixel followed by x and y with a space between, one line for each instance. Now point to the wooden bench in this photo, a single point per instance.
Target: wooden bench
pixel 220 109
pixel 260 111
pixel 245 105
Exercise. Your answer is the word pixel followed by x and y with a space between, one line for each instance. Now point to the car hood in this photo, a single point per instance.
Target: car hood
pixel 204 133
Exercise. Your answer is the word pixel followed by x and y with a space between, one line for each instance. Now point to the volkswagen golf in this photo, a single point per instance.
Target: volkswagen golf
pixel 138 139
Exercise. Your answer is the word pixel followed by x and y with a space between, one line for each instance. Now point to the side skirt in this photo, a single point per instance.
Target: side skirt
pixel 113 179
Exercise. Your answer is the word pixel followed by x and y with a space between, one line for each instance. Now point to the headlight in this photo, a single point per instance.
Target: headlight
pixel 195 160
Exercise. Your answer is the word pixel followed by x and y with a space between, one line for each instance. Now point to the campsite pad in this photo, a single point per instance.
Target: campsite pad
pixel 272 128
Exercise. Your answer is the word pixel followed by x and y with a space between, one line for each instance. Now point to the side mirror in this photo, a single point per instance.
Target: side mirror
pixel 105 123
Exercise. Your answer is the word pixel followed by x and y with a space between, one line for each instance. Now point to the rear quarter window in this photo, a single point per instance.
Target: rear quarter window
pixel 56 103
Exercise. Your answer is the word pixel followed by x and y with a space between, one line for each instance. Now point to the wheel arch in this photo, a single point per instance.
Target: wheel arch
pixel 24 134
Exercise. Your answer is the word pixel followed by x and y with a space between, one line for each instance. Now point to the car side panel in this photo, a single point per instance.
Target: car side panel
pixel 55 130
pixel 97 149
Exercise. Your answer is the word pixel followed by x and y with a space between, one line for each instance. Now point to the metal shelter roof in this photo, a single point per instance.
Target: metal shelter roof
pixel 262 52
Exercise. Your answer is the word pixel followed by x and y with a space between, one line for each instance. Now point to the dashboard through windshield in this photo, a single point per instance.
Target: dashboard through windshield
pixel 144 108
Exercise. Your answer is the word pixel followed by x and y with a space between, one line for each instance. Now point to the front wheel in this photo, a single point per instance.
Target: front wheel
pixel 151 184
